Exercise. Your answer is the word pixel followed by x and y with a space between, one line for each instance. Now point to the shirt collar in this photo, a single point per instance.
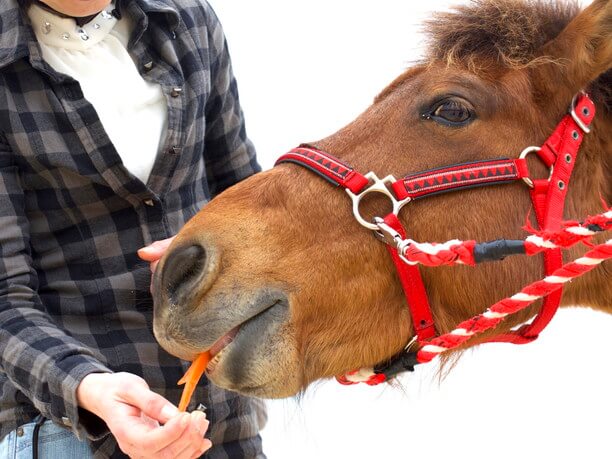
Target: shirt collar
pixel 165 7
pixel 14 33
pixel 17 36
pixel 63 32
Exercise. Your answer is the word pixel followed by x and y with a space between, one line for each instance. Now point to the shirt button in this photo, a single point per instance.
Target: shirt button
pixel 149 202
pixel 175 150
pixel 66 421
pixel 20 431
pixel 148 66
pixel 176 92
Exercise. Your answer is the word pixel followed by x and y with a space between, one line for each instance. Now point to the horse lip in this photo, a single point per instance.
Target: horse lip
pixel 226 339
pixel 254 334
pixel 216 327
pixel 219 346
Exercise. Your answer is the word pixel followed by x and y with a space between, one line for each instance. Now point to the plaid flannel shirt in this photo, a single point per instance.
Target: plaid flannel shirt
pixel 74 296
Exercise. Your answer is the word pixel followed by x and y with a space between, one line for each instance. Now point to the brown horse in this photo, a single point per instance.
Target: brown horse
pixel 276 275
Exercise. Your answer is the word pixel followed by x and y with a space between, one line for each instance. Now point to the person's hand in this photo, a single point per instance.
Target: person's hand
pixel 145 424
pixel 152 253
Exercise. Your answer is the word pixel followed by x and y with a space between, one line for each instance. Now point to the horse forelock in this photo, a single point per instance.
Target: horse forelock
pixel 488 36
pixel 506 32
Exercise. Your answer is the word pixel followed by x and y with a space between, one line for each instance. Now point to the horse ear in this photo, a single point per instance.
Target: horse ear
pixel 578 55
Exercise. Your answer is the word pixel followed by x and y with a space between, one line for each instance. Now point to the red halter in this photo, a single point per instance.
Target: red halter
pixel 558 153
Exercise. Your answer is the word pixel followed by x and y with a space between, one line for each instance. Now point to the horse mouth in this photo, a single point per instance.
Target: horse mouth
pixel 248 333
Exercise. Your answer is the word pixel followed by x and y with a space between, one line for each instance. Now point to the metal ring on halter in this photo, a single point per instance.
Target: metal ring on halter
pixel 575 117
pixel 376 186
pixel 523 155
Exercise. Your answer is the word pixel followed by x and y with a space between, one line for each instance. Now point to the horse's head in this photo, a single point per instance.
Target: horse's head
pixel 278 266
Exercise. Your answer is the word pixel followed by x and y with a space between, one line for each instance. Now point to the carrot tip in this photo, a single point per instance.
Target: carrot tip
pixel 191 378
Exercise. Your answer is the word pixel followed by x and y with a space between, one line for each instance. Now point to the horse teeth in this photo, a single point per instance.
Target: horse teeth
pixel 215 360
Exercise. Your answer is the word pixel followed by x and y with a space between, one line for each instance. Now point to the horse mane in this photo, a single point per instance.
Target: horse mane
pixel 509 33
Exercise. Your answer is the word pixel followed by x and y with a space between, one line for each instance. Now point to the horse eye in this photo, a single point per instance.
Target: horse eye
pixel 451 112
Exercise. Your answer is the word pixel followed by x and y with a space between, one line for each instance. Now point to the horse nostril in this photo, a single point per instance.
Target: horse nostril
pixel 182 268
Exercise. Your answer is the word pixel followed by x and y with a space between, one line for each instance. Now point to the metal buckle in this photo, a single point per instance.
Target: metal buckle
pixel 391 237
pixel 574 115
pixel 523 155
pixel 386 234
pixel 376 186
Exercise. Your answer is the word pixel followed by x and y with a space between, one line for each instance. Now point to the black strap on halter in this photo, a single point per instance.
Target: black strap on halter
pixel 406 361
pixel 498 250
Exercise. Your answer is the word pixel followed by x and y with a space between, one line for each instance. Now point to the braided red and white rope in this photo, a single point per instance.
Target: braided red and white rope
pixel 571 234
pixel 496 313
pixel 462 252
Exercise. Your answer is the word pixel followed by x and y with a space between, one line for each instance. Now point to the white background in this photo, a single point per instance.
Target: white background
pixel 304 70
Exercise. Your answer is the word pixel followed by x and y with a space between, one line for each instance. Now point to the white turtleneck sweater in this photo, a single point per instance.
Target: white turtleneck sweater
pixel 132 110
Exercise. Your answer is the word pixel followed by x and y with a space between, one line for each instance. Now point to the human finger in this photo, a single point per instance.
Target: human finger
pixel 198 427
pixel 156 250
pixel 168 439
pixel 192 450
pixel 150 403
pixel 191 453
pixel 141 440
pixel 191 442
pixel 153 265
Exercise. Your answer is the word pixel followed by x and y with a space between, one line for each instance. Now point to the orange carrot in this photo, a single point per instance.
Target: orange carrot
pixel 191 378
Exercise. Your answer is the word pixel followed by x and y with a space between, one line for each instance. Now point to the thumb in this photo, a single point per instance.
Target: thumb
pixel 156 250
pixel 151 404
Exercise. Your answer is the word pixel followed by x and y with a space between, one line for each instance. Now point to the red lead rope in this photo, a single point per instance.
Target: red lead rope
pixel 497 312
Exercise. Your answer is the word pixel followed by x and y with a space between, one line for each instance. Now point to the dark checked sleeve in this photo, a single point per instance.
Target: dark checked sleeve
pixel 229 154
pixel 41 360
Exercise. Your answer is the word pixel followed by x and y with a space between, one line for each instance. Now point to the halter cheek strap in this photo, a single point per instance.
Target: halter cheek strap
pixel 414 289
pixel 559 153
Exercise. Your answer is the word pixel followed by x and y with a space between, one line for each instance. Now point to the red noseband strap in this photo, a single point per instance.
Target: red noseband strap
pixel 421 184
pixel 325 165
pixel 460 176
